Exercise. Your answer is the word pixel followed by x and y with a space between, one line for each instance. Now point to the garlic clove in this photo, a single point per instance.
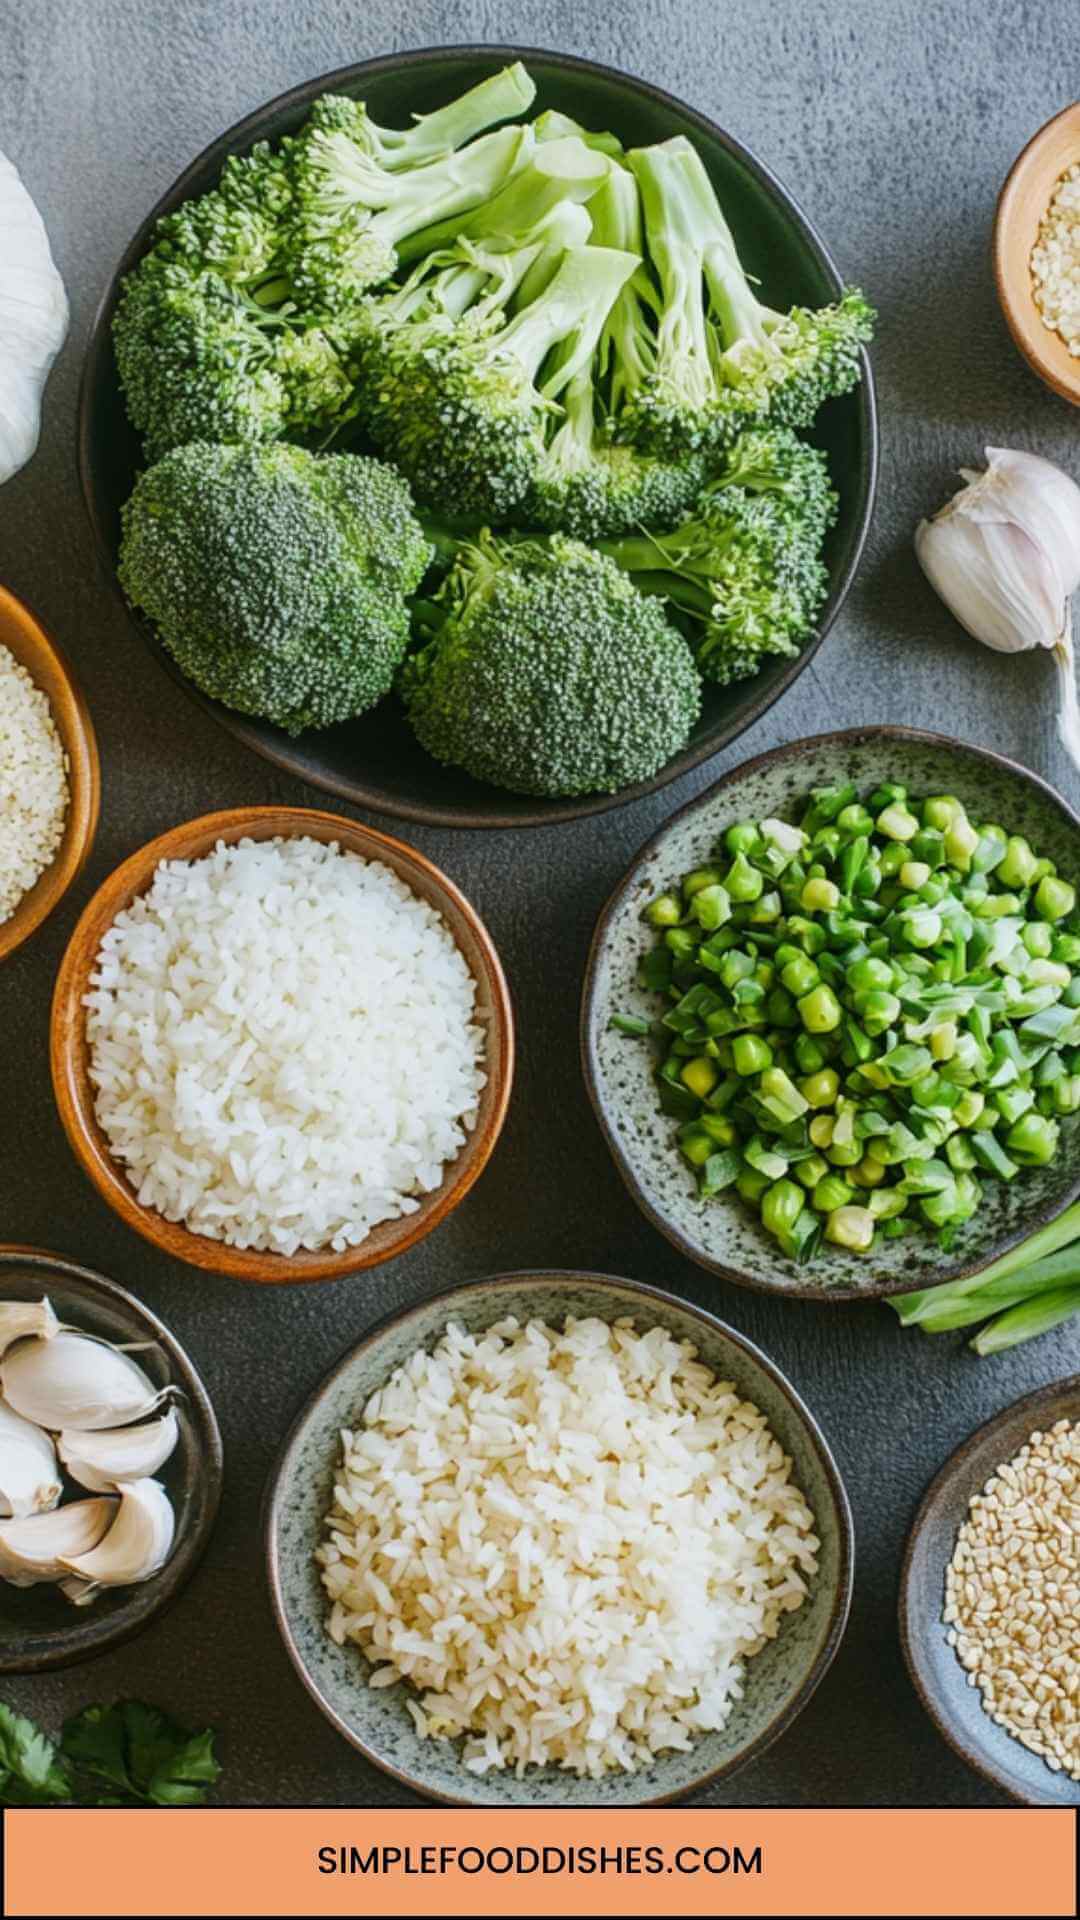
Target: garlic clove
pixel 996 581
pixel 137 1544
pixel 38 1547
pixel 29 1477
pixel 81 1593
pixel 75 1381
pixel 18 1318
pixel 102 1461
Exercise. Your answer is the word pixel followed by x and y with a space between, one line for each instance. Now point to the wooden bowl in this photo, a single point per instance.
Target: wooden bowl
pixel 24 636
pixel 1024 200
pixel 70 1054
pixel 938 1677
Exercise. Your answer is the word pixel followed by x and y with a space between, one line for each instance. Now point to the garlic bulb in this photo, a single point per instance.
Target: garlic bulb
pixel 33 320
pixel 38 1548
pixel 137 1543
pixel 1004 555
pixel 18 1318
pixel 29 1479
pixel 103 1461
pixel 75 1381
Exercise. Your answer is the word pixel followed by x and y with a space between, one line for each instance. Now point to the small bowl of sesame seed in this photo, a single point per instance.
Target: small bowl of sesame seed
pixel 990 1599
pixel 1037 253
pixel 49 776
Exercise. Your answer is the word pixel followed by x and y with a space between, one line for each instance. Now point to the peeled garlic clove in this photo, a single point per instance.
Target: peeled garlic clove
pixel 29 1478
pixel 38 1548
pixel 18 1318
pixel 103 1460
pixel 137 1543
pixel 75 1381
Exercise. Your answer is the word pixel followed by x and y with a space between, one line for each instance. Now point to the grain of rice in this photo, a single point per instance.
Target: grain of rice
pixel 568 1543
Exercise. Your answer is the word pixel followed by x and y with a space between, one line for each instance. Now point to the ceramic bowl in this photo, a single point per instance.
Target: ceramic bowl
pixel 940 1680
pixel 39 1628
pixel 1021 208
pixel 23 635
pixel 779 1680
pixel 722 1235
pixel 375 761
pixel 70 1053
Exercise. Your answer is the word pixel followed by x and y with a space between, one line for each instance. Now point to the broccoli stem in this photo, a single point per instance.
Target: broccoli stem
pixel 447 187
pixel 558 173
pixel 626 354
pixel 572 309
pixel 500 97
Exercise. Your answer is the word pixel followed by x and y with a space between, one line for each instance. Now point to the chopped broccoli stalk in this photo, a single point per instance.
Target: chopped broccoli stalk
pixel 464 411
pixel 722 359
pixel 745 570
pixel 277 578
pixel 552 125
pixel 348 224
pixel 547 672
pixel 341 125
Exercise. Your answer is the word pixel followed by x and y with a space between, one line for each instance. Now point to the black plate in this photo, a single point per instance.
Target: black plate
pixel 375 761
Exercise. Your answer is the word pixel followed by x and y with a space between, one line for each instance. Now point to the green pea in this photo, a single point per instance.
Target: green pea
pixel 664 911
pixel 1054 898
pixel 820 896
pixel 852 1228
pixel 699 1076
pixel 781 1207
pixel 877 1010
pixel 743 881
pixel 750 1054
pixel 1033 1140
pixel 819 1010
pixel 699 878
pixel 800 975
pixel 1018 867
pixel 870 974
pixel 820 1089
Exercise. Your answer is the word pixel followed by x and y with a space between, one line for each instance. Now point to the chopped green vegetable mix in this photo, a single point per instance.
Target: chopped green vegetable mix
pixel 867 1016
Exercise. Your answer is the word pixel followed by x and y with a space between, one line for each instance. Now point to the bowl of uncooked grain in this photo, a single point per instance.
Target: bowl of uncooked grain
pixel 49 778
pixel 282 1044
pixel 1037 253
pixel 558 1539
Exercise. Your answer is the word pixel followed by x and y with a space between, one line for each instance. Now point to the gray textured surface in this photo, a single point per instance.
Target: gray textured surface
pixel 895 127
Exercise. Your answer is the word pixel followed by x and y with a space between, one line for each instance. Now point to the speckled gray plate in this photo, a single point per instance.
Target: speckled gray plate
pixel 723 1235
pixel 779 1680
pixel 38 1627
pixel 940 1680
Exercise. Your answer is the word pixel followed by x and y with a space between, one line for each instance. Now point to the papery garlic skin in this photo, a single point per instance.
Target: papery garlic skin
pixel 29 1478
pixel 19 1319
pixel 103 1461
pixel 76 1381
pixel 137 1544
pixel 36 1549
pixel 33 319
pixel 1004 556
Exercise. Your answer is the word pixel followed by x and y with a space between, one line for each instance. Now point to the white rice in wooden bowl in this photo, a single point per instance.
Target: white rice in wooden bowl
pixel 568 1543
pixel 33 784
pixel 283 1045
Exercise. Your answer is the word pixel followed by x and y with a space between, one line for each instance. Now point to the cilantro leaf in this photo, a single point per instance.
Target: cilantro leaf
pixel 143 1753
pixel 32 1773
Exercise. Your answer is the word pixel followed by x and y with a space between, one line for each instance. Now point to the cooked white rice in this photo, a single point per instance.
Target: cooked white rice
pixel 33 784
pixel 283 1045
pixel 568 1543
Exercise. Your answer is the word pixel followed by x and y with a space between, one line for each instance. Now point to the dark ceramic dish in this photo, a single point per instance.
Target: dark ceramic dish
pixel 779 1680
pixel 940 1680
pixel 375 761
pixel 722 1235
pixel 39 1628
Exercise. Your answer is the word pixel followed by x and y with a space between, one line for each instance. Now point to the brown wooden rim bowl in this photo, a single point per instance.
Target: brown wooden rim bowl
pixel 1021 206
pixel 24 636
pixel 69 1053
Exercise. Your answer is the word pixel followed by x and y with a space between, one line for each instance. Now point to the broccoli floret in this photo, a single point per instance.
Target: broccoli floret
pixel 548 673
pixel 587 484
pixel 277 578
pixel 195 360
pixel 349 221
pixel 745 570
pixel 464 410
pixel 721 360
pixel 344 124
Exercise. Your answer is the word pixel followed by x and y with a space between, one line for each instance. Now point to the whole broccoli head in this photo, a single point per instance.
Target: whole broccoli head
pixel 277 578
pixel 548 673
